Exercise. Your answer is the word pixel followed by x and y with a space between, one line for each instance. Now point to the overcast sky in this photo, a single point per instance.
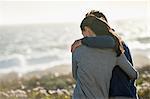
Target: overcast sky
pixel 22 12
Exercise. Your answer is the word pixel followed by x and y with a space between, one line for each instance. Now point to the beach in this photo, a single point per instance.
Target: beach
pixel 35 59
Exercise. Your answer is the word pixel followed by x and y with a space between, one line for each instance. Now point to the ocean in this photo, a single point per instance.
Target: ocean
pixel 34 47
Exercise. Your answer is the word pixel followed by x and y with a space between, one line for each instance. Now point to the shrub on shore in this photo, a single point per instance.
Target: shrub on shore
pixel 52 86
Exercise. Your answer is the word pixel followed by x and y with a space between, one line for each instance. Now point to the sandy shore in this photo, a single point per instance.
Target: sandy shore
pixel 140 58
pixel 56 70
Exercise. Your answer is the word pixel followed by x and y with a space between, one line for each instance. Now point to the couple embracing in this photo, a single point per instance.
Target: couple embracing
pixel 101 62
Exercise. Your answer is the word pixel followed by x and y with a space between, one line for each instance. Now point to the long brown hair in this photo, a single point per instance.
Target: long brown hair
pixel 100 27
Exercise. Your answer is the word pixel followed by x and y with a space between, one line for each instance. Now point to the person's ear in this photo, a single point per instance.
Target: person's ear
pixel 87 30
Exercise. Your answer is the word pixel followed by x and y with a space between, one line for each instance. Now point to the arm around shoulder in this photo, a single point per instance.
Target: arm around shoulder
pixel 126 66
pixel 99 42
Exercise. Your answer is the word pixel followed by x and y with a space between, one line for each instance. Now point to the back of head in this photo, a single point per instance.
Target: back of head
pixel 97 25
pixel 97 14
pixel 100 27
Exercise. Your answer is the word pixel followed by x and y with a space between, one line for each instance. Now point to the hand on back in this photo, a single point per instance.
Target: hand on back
pixel 75 45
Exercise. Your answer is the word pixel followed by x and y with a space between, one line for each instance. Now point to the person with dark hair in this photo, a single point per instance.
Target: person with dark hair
pixel 97 14
pixel 120 84
pixel 92 67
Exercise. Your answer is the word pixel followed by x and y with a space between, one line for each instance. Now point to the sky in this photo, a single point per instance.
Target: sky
pixel 37 11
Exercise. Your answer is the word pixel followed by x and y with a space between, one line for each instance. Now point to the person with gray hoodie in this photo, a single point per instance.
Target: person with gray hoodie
pixel 92 67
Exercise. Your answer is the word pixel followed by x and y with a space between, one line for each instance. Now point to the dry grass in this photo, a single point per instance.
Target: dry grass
pixel 54 86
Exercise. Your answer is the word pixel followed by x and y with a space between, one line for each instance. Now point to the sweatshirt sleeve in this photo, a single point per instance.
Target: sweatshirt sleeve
pixel 74 67
pixel 99 42
pixel 126 66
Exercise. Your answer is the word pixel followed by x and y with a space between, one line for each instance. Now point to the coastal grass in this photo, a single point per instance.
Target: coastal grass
pixel 54 86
